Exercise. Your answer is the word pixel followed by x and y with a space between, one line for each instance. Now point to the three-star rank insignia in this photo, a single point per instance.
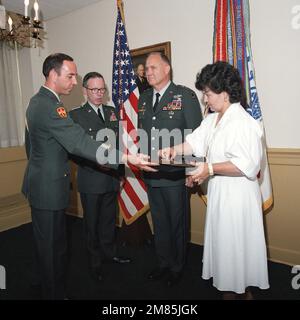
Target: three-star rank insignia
pixel 62 112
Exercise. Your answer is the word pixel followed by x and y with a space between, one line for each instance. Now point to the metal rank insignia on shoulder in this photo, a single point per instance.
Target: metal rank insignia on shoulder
pixel 61 112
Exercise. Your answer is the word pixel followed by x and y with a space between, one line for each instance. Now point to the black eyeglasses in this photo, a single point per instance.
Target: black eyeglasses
pixel 96 90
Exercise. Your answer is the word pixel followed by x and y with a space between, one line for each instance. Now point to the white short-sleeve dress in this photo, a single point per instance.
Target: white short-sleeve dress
pixel 234 242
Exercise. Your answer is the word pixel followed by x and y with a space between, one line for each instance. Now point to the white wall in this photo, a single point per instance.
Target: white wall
pixel 37 56
pixel 87 35
pixel 276 50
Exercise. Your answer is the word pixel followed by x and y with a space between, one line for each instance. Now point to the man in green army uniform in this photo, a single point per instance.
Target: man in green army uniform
pixel 98 186
pixel 167 106
pixel 51 134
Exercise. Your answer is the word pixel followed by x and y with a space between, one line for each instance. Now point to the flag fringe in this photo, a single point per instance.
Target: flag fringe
pixel 136 216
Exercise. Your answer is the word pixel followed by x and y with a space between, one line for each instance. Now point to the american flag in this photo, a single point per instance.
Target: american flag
pixel 133 199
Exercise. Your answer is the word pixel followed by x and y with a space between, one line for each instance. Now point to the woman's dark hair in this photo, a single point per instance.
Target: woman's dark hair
pixel 222 77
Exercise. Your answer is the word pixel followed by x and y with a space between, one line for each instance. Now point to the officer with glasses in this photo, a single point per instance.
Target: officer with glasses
pixel 98 186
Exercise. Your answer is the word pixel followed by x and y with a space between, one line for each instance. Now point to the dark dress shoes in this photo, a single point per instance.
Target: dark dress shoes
pixel 173 278
pixel 121 260
pixel 158 273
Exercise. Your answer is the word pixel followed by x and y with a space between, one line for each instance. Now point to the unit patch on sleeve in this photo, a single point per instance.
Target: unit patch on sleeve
pixel 62 112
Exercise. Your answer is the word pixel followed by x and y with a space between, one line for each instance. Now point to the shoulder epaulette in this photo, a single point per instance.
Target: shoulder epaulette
pixel 76 108
pixel 192 92
pixel 184 87
pixel 107 106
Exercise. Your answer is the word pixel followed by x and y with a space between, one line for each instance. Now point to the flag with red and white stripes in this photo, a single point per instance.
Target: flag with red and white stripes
pixel 133 198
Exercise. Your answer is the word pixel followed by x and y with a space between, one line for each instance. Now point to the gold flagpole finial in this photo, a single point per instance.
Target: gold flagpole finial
pixel 121 8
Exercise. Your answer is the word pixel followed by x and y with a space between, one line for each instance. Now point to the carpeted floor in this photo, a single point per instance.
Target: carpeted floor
pixel 121 282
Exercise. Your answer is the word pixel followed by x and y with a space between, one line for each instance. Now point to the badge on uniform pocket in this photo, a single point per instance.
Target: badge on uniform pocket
pixel 112 117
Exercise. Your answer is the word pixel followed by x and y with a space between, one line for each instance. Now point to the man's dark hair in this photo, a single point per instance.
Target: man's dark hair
pixel 222 77
pixel 54 61
pixel 90 75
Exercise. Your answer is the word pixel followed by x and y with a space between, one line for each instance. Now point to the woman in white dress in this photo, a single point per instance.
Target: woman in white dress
pixel 234 242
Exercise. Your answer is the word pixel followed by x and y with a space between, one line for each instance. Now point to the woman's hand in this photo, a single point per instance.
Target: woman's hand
pixel 200 173
pixel 189 182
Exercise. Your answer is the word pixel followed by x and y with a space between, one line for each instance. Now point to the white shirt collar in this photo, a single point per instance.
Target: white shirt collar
pixel 161 92
pixel 95 108
pixel 57 96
